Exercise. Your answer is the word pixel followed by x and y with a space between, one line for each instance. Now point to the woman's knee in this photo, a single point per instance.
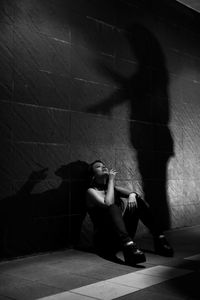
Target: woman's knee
pixel 113 207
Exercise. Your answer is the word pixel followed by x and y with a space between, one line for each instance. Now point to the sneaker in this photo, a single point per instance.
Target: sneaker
pixel 162 247
pixel 132 255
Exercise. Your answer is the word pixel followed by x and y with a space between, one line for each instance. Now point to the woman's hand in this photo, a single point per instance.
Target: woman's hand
pixel 112 173
pixel 132 200
pixel 38 176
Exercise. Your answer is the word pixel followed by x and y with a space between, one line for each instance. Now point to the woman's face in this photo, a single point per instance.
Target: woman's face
pixel 99 170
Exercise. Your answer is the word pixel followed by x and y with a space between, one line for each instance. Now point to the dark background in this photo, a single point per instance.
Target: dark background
pixel 83 80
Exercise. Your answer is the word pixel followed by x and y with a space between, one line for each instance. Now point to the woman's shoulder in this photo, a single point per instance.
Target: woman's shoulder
pixel 89 190
pixel 94 198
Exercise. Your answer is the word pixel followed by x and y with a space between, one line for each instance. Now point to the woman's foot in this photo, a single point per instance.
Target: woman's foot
pixel 132 255
pixel 162 246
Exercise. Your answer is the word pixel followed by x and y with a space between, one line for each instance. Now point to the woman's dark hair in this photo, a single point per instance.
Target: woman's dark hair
pixel 90 169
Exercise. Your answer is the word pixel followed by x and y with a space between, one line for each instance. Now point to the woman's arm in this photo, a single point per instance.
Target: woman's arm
pixel 110 194
pixel 95 198
pixel 123 192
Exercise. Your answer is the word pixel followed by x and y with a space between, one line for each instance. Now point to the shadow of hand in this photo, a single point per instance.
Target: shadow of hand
pixel 38 175
pixel 105 107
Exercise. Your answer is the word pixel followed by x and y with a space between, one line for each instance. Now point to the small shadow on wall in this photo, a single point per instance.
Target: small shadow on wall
pixel 147 93
pixel 52 220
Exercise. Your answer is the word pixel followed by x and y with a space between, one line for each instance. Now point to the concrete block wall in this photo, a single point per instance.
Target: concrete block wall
pixel 83 80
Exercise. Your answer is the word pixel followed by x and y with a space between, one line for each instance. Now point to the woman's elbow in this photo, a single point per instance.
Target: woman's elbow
pixel 108 202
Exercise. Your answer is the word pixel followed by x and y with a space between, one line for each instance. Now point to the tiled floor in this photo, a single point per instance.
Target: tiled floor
pixel 77 275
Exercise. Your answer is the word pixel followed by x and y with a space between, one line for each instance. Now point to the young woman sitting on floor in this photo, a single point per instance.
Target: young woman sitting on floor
pixel 115 213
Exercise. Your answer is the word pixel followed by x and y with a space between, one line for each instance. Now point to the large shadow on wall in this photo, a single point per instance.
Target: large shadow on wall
pixel 35 222
pixel 147 93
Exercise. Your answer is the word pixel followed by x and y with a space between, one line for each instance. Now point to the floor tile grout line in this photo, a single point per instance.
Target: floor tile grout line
pixel 70 291
pixel 163 279
pixel 30 281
